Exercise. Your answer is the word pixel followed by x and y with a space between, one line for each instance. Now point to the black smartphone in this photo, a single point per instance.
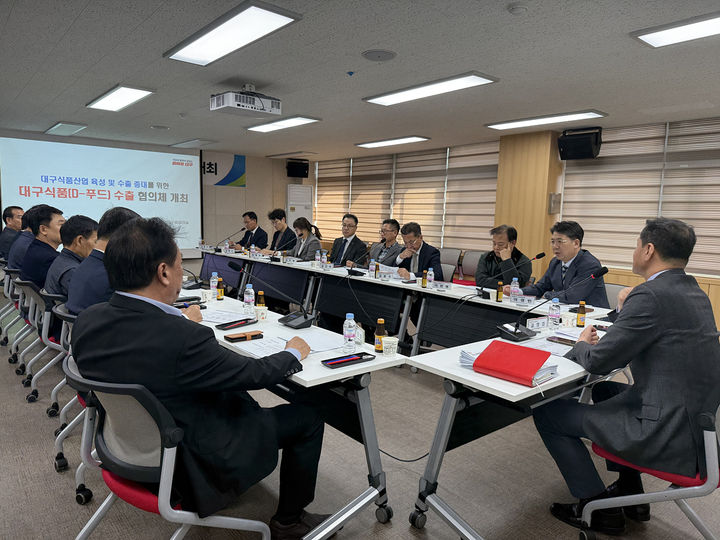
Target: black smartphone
pixel 409 281
pixel 564 341
pixel 575 310
pixel 235 324
pixel 347 360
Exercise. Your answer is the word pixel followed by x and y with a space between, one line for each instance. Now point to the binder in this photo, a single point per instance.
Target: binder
pixel 514 363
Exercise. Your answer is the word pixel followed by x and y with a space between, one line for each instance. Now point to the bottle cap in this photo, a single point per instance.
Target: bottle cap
pixel 582 302
pixel 261 292
pixel 248 286
pixel 214 274
pixel 381 321
pixel 555 300
pixel 349 316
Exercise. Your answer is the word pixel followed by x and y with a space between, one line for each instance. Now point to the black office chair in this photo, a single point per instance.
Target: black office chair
pixel 136 441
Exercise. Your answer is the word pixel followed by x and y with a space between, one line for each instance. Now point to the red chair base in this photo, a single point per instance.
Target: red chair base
pixel 132 492
pixel 678 480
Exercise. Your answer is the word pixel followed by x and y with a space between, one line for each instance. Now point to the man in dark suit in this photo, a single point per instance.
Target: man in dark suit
pixel 504 262
pixel 348 250
pixel 230 442
pixel 22 242
pixel 666 328
pixel 254 235
pixel 90 283
pixel 12 218
pixel 570 265
pixel 78 234
pixel 284 238
pixel 45 222
pixel 417 255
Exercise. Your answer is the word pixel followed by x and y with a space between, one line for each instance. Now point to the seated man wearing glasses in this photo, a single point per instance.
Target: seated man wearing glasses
pixel 570 265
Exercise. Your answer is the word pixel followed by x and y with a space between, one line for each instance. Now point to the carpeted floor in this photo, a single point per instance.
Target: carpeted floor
pixel 502 484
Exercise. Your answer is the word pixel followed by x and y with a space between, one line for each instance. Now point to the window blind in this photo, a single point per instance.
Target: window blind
pixel 371 194
pixel 333 196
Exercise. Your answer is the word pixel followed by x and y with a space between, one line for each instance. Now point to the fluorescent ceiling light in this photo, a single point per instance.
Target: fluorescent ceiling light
pixel 285 123
pixel 457 82
pixel 65 129
pixel 392 142
pixel 194 143
pixel 118 98
pixel 550 119
pixel 678 32
pixel 288 154
pixel 241 26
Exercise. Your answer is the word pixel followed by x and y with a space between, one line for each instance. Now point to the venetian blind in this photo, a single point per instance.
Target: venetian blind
pixel 371 194
pixel 612 196
pixel 333 192
pixel 419 191
pixel 470 198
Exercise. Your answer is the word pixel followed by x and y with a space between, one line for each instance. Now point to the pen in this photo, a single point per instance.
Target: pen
pixel 343 360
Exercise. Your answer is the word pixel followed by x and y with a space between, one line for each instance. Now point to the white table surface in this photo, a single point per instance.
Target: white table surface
pixel 313 373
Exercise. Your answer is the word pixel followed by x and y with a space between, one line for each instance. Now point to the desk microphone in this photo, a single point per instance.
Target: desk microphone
pixel 217 249
pixel 520 332
pixel 296 319
pixel 195 285
pixel 486 295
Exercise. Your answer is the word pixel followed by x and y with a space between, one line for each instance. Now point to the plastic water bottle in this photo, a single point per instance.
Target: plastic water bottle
pixel 349 333
pixel 252 250
pixel 317 258
pixel 227 246
pixel 515 290
pixel 213 285
pixel 249 300
pixel 371 268
pixel 430 278
pixel 554 321
pixel 323 257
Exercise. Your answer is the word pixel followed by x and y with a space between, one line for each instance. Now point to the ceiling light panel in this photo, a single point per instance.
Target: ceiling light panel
pixel 393 142
pixel 193 143
pixel 679 32
pixel 283 124
pixel 118 98
pixel 442 86
pixel 239 27
pixel 550 119
pixel 65 129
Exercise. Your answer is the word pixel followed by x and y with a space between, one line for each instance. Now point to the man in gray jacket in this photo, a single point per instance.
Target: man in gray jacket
pixel 666 328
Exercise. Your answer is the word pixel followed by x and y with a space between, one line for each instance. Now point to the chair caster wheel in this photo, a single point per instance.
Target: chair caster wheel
pixel 13 358
pixel 52 410
pixel 58 431
pixel 383 513
pixel 4 342
pixel 20 370
pixel 32 397
pixel 61 464
pixel 587 534
pixel 27 381
pixel 418 519
pixel 83 495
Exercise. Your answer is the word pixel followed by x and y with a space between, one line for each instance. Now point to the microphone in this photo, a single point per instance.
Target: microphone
pixel 485 295
pixel 228 238
pixel 195 285
pixel 296 319
pixel 520 332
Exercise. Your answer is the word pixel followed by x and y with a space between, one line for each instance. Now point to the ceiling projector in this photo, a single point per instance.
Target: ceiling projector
pixel 245 101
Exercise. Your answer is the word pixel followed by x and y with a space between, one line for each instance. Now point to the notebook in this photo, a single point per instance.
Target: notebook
pixel 510 362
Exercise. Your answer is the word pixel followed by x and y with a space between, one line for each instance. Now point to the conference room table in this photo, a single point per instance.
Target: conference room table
pixel 447 317
pixel 342 396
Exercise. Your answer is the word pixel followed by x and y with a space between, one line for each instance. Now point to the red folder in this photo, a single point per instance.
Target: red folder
pixel 510 362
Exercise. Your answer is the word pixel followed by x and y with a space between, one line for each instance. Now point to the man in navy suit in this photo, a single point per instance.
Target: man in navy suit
pixel 570 265
pixel 284 238
pixel 348 250
pixel 45 222
pixel 19 247
pixel 12 218
pixel 417 255
pixel 254 235
pixel 90 283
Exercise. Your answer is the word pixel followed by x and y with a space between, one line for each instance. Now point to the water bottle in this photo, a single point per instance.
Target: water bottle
pixel 515 290
pixel 323 257
pixel 371 268
pixel 227 246
pixel 430 278
pixel 554 321
pixel 252 250
pixel 317 258
pixel 349 333
pixel 213 285
pixel 249 300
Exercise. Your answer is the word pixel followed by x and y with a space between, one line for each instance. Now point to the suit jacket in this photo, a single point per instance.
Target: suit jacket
pixel 18 249
pixel 312 244
pixel 491 269
pixel 260 239
pixel 61 272
pixel 90 284
pixel 390 255
pixel 356 251
pixel 7 237
pixel 429 257
pixel 551 284
pixel 228 443
pixel 666 331
pixel 285 242
pixel 38 258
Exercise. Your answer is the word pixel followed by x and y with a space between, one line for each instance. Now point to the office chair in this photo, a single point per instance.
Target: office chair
pixel 21 306
pixel 31 311
pixel 680 488
pixel 68 319
pixel 136 441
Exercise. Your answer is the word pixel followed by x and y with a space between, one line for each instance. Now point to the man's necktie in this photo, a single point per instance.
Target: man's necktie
pixel 564 271
pixel 339 256
pixel 414 263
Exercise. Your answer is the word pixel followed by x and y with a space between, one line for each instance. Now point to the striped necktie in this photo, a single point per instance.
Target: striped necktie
pixel 564 271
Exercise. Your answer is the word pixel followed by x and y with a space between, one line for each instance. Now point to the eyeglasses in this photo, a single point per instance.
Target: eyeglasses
pixel 558 241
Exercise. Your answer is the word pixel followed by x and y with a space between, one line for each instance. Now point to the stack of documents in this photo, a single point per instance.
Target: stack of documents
pixel 516 369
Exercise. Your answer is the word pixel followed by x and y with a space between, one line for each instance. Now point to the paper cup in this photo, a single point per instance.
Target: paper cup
pixel 261 313
pixel 390 346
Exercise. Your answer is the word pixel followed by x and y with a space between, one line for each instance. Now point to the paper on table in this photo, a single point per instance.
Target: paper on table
pixel 219 316
pixel 318 339
pixel 558 349
pixel 392 270
pixel 262 347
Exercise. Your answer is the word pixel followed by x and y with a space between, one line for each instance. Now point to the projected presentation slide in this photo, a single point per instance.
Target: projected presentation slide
pixel 88 180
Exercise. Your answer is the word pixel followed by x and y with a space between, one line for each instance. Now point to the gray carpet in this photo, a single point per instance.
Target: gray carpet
pixel 502 484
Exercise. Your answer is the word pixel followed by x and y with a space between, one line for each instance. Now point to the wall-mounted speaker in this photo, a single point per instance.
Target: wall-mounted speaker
pixel 297 168
pixel 583 143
